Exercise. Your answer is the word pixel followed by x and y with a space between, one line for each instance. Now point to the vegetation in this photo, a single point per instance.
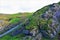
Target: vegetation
pixel 13 19
pixel 34 19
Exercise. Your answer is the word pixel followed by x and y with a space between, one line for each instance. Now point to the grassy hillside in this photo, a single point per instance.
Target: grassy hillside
pixel 13 18
pixel 34 21
pixel 32 24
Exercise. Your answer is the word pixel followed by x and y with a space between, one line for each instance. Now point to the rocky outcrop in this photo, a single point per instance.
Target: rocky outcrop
pixel 51 17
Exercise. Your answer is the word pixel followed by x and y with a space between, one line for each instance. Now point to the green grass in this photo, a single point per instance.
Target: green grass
pixel 14 20
pixel 17 17
pixel 9 37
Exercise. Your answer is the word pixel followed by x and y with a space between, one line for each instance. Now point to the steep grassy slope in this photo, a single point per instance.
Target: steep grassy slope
pixel 34 20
